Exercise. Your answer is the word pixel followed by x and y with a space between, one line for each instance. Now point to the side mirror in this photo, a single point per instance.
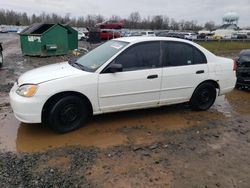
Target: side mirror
pixel 113 68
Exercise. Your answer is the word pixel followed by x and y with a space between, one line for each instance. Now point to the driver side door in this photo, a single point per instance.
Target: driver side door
pixel 137 85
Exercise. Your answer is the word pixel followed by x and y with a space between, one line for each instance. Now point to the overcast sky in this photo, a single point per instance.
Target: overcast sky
pixel 200 10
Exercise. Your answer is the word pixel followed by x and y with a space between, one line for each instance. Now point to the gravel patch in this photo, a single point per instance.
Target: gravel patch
pixel 45 169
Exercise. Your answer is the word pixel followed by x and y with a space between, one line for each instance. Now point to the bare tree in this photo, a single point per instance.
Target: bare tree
pixel 157 22
pixel 90 20
pixel 166 22
pixel 210 25
pixel 24 19
pixel 3 16
pixel 134 19
pixel 115 18
pixel 99 18
pixel 80 22
pixel 174 25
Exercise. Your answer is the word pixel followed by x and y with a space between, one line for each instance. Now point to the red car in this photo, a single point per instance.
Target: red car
pixel 111 24
pixel 108 34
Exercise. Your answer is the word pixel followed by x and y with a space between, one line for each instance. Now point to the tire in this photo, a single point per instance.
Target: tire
pixel 203 97
pixel 68 113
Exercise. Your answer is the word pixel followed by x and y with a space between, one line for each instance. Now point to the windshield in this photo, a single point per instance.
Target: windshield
pixel 100 55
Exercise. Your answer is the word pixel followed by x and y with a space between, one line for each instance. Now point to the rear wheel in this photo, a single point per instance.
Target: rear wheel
pixel 68 113
pixel 203 97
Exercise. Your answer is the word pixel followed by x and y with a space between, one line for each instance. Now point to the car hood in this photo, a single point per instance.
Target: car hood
pixel 48 73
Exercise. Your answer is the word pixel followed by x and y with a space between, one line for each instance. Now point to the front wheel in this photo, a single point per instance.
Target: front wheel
pixel 68 113
pixel 203 97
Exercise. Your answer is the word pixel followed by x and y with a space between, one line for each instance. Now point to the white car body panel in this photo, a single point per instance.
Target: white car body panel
pixel 48 73
pixel 190 36
pixel 220 70
pixel 122 90
pixel 179 83
pixel 148 34
pixel 125 90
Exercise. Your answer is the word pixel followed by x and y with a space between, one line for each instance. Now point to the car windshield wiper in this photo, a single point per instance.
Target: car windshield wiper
pixel 82 67
pixel 74 63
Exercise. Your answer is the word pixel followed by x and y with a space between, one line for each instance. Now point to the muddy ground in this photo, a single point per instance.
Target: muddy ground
pixel 163 147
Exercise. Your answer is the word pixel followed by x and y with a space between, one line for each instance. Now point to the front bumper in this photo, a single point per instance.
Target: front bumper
pixel 26 109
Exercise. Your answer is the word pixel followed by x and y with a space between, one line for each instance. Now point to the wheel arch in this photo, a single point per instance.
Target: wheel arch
pixel 195 105
pixel 213 82
pixel 56 96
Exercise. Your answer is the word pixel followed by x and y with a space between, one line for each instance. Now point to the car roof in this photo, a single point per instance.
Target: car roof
pixel 134 40
pixel 148 39
pixel 245 52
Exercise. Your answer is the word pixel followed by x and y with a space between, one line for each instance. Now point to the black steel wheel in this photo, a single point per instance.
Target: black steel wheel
pixel 68 113
pixel 203 97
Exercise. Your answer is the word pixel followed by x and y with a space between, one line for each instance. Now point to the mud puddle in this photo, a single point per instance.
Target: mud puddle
pixel 239 100
pixel 132 127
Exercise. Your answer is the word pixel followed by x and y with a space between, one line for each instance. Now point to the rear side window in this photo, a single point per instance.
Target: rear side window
pixel 199 57
pixel 140 56
pixel 181 54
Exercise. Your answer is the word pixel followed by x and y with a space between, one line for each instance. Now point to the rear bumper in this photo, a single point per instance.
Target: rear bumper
pixel 227 85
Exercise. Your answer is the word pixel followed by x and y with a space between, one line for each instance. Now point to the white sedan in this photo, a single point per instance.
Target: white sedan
pixel 81 36
pixel 122 74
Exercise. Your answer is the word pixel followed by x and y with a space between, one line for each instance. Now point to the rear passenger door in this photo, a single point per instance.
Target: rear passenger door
pixel 185 67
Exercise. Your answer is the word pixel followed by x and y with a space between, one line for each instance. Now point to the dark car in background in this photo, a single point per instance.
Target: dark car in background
pixel 162 33
pixel 135 34
pixel 243 69
pixel 111 24
pixel 241 36
pixel 176 35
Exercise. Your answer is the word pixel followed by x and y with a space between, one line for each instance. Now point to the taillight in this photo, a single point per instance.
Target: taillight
pixel 235 65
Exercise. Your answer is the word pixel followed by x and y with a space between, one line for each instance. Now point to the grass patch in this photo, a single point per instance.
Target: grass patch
pixel 224 46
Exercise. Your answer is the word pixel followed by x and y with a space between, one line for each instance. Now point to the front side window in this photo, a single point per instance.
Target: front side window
pixel 140 56
pixel 181 54
pixel 100 55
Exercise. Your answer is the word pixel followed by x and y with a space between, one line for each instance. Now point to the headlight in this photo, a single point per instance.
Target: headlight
pixel 27 90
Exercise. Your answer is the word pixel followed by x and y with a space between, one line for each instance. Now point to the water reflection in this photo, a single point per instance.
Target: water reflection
pixel 119 128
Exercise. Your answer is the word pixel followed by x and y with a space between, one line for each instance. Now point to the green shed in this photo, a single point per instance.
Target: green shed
pixel 41 39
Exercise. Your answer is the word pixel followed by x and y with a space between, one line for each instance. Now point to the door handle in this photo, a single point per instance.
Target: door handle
pixel 152 76
pixel 200 72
